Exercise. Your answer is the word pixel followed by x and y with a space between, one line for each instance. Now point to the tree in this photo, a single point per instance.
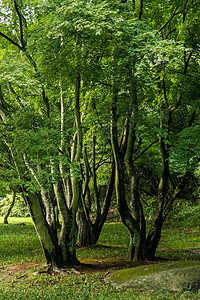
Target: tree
pixel 42 169
pixel 140 247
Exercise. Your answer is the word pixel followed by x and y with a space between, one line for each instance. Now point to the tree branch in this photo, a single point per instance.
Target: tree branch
pixel 187 62
pixel 11 40
pixel 173 15
pixel 149 146
pixel 141 9
pixel 20 25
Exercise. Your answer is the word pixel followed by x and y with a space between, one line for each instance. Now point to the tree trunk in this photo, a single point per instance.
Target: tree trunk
pixel 156 227
pixel 10 208
pixel 47 237
pixel 137 247
pixel 68 233
pixel 84 229
pixel 89 232
pixel 126 216
pixel 154 235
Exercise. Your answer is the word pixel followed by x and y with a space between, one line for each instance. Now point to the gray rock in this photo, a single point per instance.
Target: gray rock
pixel 174 276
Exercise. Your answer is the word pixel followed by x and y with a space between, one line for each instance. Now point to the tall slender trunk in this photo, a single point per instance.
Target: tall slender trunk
pixel 137 247
pixel 10 208
pixel 154 234
pixel 126 216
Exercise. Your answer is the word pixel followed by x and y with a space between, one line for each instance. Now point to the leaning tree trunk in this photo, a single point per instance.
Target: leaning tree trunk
pixel 10 208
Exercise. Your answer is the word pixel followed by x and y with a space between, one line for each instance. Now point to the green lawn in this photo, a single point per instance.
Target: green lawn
pixel 19 244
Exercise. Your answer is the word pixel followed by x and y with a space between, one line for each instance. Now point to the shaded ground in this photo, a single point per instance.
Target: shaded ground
pixel 103 266
pixel 86 266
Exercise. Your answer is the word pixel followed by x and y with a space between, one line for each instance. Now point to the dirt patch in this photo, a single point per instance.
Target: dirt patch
pixel 20 267
pixel 86 266
pixel 103 266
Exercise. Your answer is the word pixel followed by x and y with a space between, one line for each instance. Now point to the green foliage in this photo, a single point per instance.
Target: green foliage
pixel 19 210
pixel 188 215
pixel 186 150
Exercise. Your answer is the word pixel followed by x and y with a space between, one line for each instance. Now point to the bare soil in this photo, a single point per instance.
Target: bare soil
pixel 86 265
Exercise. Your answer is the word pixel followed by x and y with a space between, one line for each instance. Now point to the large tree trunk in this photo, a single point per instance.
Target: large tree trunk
pixel 84 229
pixel 47 237
pixel 154 235
pixel 137 247
pixel 68 232
pixel 133 218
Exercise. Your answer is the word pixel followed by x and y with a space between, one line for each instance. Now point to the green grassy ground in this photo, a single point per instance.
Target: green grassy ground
pixel 19 244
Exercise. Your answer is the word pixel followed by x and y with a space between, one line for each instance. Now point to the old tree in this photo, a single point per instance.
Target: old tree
pixel 97 97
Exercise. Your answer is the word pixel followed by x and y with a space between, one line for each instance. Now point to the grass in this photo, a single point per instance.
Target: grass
pixel 82 287
pixel 19 244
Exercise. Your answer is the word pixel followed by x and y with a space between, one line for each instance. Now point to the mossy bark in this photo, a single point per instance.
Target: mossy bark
pixel 47 236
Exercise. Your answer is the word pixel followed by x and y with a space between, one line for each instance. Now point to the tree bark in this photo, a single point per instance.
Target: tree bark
pixel 47 237
pixel 154 234
pixel 126 215
pixel 89 232
pixel 10 208
pixel 137 247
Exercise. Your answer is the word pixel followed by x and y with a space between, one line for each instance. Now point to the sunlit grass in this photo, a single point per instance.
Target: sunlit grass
pixel 19 243
pixel 13 220
pixel 180 238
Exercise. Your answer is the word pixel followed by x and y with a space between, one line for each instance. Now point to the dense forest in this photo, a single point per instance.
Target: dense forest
pixel 99 106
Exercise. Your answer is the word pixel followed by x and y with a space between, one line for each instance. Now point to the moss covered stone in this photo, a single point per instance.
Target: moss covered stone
pixel 175 276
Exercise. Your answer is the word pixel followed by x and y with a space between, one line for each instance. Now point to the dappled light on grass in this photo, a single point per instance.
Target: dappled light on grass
pixel 19 245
